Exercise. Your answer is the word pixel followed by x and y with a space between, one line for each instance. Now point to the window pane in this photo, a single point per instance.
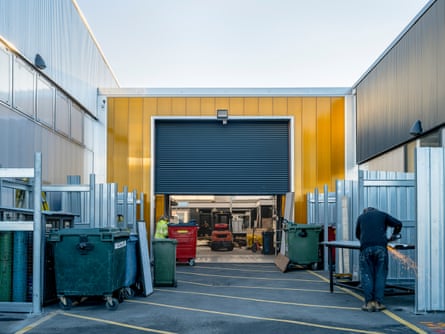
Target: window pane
pixel 62 114
pixel 45 101
pixel 5 75
pixel 23 88
pixel 77 123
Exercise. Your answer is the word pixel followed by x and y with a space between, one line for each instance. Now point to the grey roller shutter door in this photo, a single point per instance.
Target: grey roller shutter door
pixel 244 157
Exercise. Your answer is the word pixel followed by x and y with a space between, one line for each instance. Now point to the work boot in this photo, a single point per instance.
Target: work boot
pixel 369 307
pixel 379 306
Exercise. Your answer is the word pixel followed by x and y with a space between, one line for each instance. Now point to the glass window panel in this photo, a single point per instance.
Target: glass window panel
pixel 62 114
pixel 45 101
pixel 23 87
pixel 77 123
pixel 88 132
pixel 5 75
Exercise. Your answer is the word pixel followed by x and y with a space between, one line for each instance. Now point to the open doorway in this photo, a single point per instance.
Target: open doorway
pixel 230 227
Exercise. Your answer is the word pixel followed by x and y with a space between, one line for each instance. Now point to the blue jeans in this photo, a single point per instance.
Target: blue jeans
pixel 373 272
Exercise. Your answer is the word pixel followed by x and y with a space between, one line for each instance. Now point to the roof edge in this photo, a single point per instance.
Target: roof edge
pixel 224 92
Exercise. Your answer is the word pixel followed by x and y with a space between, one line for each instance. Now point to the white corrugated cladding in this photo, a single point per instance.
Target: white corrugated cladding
pixel 56 31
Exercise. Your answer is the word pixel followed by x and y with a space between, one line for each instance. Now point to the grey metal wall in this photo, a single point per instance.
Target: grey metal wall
pixel 56 31
pixel 405 84
pixel 430 166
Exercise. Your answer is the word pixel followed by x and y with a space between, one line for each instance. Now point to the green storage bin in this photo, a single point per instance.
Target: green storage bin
pixel 89 262
pixel 164 253
pixel 303 244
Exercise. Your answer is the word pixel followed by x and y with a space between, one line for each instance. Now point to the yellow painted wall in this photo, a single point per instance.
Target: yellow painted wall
pixel 319 133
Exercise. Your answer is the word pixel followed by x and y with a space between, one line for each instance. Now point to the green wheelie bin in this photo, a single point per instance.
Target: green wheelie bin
pixel 303 244
pixel 90 262
pixel 164 254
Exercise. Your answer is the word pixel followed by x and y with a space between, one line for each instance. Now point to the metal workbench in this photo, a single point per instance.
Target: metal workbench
pixel 355 244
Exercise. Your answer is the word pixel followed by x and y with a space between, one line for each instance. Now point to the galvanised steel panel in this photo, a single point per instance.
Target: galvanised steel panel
pixel 244 157
pixel 406 84
pixel 393 193
pixel 57 31
pixel 390 192
pixel 430 292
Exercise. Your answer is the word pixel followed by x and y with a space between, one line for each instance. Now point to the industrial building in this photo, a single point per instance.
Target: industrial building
pixel 225 146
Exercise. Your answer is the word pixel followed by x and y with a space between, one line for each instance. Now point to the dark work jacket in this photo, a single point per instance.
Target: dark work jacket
pixel 371 228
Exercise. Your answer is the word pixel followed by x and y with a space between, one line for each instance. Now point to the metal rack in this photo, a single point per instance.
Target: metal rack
pixel 32 185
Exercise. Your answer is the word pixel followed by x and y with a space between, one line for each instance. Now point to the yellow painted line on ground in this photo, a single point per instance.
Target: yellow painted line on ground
pixel 240 269
pixel 245 316
pixel 36 323
pixel 254 278
pixel 255 287
pixel 387 312
pixel 261 300
pixel 115 323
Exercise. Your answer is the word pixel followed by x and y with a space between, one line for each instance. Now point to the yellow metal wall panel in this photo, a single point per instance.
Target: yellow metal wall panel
pixel 221 103
pixel 150 107
pixel 323 131
pixel 338 132
pixel 236 106
pixel 120 154
pixel 135 144
pixel 279 107
pixel 309 155
pixel 110 137
pixel 178 106
pixel 295 109
pixel 193 106
pixel 318 137
pixel 164 106
pixel 208 106
pixel 251 106
pixel 265 106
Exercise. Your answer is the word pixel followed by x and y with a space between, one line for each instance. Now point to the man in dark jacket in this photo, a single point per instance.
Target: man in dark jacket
pixel 371 230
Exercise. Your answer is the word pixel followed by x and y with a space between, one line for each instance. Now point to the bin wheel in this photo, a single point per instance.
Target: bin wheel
pixel 192 262
pixel 129 292
pixel 112 304
pixel 65 303
pixel 314 266
pixel 175 284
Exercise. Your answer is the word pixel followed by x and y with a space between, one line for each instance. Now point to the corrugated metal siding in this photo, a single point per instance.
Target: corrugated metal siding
pixel 391 192
pixel 55 30
pixel 430 165
pixel 244 157
pixel 407 84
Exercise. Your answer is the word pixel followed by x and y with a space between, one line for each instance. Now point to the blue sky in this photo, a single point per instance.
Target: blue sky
pixel 245 43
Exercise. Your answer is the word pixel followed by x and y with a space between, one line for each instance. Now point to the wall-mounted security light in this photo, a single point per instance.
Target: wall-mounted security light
pixel 222 115
pixel 39 62
pixel 416 128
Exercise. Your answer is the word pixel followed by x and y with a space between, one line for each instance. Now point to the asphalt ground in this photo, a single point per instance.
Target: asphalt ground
pixel 234 298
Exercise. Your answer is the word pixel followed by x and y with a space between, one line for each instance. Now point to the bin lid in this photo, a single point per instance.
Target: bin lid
pixel 304 226
pixel 166 240
pixel 115 232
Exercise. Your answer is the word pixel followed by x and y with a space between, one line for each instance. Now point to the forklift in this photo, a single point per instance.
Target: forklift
pixel 222 236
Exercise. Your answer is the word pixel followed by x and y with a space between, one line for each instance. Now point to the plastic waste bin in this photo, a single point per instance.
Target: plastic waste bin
pixel 303 244
pixel 164 254
pixel 268 248
pixel 90 262
pixel 131 266
pixel 186 235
